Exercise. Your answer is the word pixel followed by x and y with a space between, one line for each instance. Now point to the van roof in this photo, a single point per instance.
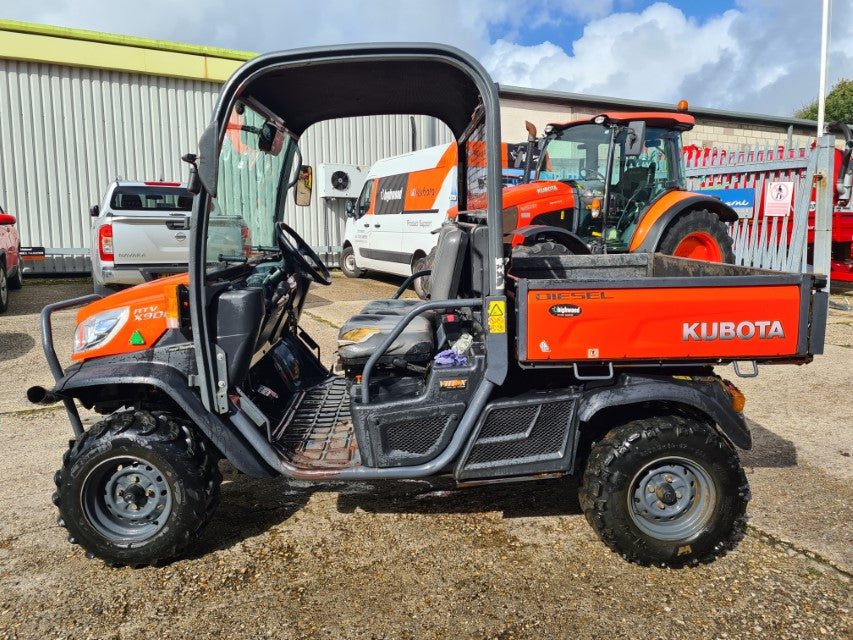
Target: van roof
pixel 420 160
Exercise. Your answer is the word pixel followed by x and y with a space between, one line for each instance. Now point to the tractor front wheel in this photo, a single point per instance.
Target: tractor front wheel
pixel 699 235
pixel 137 488
pixel 665 491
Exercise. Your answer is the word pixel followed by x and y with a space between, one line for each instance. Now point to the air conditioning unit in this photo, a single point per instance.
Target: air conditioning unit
pixel 340 180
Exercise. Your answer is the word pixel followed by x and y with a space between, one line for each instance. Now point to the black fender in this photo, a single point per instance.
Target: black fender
pixel 703 393
pixel 571 241
pixel 89 379
pixel 697 201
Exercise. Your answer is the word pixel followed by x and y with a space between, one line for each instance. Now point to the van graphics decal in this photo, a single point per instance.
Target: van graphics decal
pixel 761 329
pixel 390 194
pixel 565 310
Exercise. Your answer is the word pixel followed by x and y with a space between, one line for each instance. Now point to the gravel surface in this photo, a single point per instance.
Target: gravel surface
pixel 425 560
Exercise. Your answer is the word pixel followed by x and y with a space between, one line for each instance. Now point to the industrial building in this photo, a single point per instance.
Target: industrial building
pixel 80 108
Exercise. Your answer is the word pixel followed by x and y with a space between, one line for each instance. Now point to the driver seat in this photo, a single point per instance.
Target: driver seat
pixel 362 334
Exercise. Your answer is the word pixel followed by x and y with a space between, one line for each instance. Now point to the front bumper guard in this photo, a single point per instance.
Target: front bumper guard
pixel 53 360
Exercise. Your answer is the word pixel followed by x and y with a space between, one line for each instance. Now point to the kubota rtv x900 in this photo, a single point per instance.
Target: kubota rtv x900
pixel 521 366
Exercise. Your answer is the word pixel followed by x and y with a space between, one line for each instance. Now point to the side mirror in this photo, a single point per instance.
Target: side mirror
pixel 270 139
pixel 304 184
pixel 5 218
pixel 350 208
pixel 94 211
pixel 635 138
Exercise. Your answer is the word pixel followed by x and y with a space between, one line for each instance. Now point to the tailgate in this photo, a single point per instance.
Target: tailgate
pixel 721 314
pixel 151 239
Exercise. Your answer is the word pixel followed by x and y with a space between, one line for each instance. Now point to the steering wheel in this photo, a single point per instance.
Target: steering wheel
pixel 292 244
pixel 588 174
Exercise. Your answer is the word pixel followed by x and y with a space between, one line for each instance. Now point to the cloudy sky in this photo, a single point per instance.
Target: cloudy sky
pixel 748 55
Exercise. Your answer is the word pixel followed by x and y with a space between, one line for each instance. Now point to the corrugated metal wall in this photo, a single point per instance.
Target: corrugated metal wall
pixel 67 132
pixel 360 141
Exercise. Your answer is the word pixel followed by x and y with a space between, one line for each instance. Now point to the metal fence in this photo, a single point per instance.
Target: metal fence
pixel 776 241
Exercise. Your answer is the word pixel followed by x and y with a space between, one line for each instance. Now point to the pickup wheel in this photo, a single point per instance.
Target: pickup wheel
pixel 665 491
pixel 700 235
pixel 348 266
pixel 137 488
pixel 4 289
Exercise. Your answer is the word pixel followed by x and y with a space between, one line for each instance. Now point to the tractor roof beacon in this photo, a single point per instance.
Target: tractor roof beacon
pixel 521 366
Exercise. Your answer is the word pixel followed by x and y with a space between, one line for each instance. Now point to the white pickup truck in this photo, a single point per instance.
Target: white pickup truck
pixel 141 231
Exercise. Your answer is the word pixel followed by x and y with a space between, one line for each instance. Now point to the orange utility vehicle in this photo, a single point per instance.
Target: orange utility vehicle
pixel 522 366
pixel 615 183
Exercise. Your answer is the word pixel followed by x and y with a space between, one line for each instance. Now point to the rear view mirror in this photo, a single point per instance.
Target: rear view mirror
pixel 635 138
pixel 304 184
pixel 270 139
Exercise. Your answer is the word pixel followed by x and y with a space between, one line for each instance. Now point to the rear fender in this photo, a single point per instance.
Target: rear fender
pixel 571 241
pixel 704 393
pixel 90 379
pixel 664 213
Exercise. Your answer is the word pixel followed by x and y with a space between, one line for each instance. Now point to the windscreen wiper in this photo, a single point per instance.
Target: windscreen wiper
pixel 235 259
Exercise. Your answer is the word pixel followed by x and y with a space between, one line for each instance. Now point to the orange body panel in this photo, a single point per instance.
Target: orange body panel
pixel 652 118
pixel 150 304
pixel 660 207
pixel 678 323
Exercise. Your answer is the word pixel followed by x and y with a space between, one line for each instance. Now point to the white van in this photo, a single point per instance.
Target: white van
pixel 404 199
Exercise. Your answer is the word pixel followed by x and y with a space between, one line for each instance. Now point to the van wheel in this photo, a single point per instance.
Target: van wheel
pixel 422 285
pixel 348 265
pixel 666 491
pixel 700 235
pixel 137 488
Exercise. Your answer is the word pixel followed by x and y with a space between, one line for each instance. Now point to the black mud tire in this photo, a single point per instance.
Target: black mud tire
pixel 16 282
pixel 422 285
pixel 614 473
pixel 703 224
pixel 4 288
pixel 348 265
pixel 183 463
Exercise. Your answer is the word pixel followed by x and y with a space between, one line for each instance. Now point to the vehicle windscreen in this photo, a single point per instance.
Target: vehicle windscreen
pixel 151 198
pixel 247 204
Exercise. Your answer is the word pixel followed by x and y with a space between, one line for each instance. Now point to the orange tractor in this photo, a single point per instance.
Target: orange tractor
pixel 615 183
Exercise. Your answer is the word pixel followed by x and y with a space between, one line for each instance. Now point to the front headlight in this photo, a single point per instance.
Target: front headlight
pixel 99 329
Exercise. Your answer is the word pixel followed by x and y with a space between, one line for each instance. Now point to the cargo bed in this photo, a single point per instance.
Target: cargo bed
pixel 653 308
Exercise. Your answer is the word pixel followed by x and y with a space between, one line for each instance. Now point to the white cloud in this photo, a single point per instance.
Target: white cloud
pixel 761 56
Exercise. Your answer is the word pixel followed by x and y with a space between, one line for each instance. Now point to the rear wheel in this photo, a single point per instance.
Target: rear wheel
pixel 699 235
pixel 348 266
pixel 422 285
pixel 666 491
pixel 4 289
pixel 137 488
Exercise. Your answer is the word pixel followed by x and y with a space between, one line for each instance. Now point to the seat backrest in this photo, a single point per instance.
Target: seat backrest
pixel 636 177
pixel 131 201
pixel 447 266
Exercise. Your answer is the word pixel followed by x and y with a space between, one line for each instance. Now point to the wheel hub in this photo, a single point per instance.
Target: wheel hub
pixel 127 498
pixel 671 499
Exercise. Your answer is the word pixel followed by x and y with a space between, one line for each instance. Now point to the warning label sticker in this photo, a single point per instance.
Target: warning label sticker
pixel 497 316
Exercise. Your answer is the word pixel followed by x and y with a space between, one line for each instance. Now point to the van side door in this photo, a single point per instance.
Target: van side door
pixel 385 238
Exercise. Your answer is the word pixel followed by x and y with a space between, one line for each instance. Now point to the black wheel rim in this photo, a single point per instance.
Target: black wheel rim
pixel 672 498
pixel 126 499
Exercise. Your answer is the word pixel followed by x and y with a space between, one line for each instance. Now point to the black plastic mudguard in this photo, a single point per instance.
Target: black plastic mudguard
pixel 702 393
pixel 89 379
pixel 697 201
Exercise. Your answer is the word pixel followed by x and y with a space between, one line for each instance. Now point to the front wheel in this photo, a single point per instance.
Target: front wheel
pixel 16 281
pixel 665 491
pixel 699 235
pixel 348 266
pixel 137 488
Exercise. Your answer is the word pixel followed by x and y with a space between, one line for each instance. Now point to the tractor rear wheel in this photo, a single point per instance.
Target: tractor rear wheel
pixel 700 235
pixel 137 488
pixel 665 491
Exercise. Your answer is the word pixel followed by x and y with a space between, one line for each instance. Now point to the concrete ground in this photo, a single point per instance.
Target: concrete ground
pixel 392 560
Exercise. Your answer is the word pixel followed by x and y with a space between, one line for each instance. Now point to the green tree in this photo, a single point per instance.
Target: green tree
pixel 839 104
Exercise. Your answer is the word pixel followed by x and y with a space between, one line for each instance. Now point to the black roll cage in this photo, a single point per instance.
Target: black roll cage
pixel 420 59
